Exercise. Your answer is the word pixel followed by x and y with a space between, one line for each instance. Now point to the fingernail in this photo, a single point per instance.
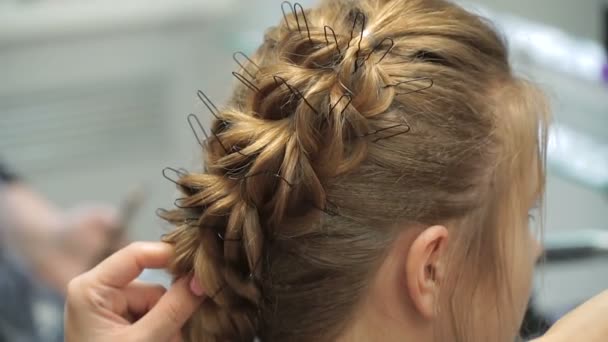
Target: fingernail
pixel 196 288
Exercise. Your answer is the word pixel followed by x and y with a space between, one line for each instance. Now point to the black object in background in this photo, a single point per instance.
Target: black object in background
pixel 6 176
pixel 534 324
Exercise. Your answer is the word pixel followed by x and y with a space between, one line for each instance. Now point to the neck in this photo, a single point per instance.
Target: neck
pixel 386 314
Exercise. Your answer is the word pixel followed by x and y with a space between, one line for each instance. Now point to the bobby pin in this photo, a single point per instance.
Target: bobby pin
pixel 240 53
pixel 430 80
pixel 263 172
pixel 191 117
pixel 392 44
pixel 407 129
pixel 294 91
pixel 194 119
pixel 352 35
pixel 335 37
pixel 209 104
pixel 285 14
pixel 177 172
pixel 247 83
pixel 347 96
pixel 295 11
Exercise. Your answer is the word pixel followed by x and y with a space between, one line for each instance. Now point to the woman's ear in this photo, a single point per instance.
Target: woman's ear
pixel 424 271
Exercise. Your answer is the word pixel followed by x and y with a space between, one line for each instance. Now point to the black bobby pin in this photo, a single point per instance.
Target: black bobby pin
pixel 177 200
pixel 392 44
pixel 285 14
pixel 160 212
pixel 189 220
pixel 247 83
pixel 263 172
pixel 240 53
pixel 250 277
pixel 295 92
pixel 202 128
pixel 295 12
pixel 177 172
pixel 407 129
pixel 430 80
pixel 219 235
pixel 212 297
pixel 192 117
pixel 335 38
pixel 347 96
pixel 209 104
pixel 330 208
pixel 352 33
pixel 200 141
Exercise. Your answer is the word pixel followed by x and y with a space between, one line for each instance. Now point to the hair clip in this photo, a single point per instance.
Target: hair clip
pixel 407 129
pixel 430 80
pixel 240 53
pixel 330 208
pixel 294 91
pixel 335 38
pixel 177 200
pixel 177 172
pixel 347 96
pixel 250 277
pixel 392 44
pixel 160 212
pixel 352 35
pixel 263 172
pixel 208 103
pixel 202 128
pixel 285 14
pixel 219 235
pixel 200 141
pixel 295 11
pixel 247 83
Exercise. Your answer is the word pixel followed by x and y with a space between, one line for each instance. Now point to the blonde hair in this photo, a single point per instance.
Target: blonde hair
pixel 302 196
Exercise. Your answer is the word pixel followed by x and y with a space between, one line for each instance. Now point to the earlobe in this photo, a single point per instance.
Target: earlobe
pixel 423 269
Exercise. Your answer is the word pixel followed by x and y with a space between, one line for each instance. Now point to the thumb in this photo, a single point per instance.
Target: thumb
pixel 170 313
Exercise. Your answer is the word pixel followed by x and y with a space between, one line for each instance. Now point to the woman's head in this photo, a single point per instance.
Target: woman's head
pixel 383 174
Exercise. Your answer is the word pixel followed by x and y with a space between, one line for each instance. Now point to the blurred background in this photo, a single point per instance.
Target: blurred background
pixel 94 97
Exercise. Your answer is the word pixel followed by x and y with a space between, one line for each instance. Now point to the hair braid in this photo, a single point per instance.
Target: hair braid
pixel 276 148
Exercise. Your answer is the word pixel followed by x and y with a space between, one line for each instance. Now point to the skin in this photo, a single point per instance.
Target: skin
pixel 55 244
pixel 403 300
pixel 107 304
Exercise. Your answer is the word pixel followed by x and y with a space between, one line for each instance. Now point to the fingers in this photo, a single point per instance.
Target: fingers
pixel 141 297
pixel 170 313
pixel 124 266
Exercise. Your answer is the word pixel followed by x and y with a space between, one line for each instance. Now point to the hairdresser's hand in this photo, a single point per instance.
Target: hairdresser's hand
pixel 588 322
pixel 106 304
